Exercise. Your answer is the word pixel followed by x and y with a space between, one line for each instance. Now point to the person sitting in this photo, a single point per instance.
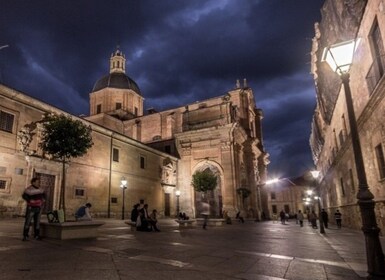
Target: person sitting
pixel 184 216
pixel 83 213
pixel 153 220
pixel 180 216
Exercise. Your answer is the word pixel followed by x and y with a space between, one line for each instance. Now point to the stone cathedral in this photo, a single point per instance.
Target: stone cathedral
pixel 155 152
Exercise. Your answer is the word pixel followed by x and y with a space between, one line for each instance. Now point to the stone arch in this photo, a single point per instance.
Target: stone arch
pixel 214 197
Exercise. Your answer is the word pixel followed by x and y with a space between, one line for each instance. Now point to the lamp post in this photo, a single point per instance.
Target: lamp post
pixel 340 58
pixel 177 193
pixel 123 185
pixel 315 175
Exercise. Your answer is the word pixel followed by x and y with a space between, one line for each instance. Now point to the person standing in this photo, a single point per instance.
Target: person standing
pixel 135 213
pixel 338 217
pixel 300 218
pixel 205 212
pixel 83 213
pixel 325 217
pixel 35 197
pixel 144 219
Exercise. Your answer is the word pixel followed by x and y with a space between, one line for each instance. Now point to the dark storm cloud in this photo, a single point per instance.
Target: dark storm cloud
pixel 177 51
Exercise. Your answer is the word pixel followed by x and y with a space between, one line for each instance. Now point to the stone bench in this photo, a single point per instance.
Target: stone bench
pixel 131 224
pixel 211 222
pixel 70 230
pixel 186 223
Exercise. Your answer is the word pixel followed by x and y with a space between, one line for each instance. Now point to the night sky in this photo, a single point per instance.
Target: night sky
pixel 177 51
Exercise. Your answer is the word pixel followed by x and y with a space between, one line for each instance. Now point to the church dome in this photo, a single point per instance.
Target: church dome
pixel 116 80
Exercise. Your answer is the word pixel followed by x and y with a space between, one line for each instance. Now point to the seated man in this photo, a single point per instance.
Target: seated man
pixel 83 213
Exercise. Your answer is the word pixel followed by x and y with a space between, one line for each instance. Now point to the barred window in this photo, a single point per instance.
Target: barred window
pixel 6 121
pixel 79 192
pixel 3 184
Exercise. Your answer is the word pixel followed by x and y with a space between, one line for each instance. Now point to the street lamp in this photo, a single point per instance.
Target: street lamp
pixel 123 185
pixel 177 193
pixel 315 175
pixel 340 58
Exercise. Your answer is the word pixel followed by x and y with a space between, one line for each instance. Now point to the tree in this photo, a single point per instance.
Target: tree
pixel 204 181
pixel 64 138
pixel 244 193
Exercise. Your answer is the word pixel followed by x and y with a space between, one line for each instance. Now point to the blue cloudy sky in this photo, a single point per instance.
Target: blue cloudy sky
pixel 178 52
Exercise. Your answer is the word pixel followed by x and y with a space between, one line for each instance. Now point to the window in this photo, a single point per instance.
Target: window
pixel 272 194
pixel 378 47
pixel 79 192
pixel 274 209
pixel 351 179
pixel 115 154
pixel 376 70
pixel 167 149
pixel 118 105
pixel 341 137
pixel 114 200
pixel 98 108
pixel 342 186
pixel 3 184
pixel 6 121
pixel 136 111
pixel 142 162
pixel 19 171
pixel 380 161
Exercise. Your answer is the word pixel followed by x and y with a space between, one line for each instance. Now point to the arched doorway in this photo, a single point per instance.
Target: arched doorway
pixel 214 197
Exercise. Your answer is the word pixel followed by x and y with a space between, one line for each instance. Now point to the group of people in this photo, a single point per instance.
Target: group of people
pixel 144 221
pixel 312 218
pixel 183 216
pixel 35 198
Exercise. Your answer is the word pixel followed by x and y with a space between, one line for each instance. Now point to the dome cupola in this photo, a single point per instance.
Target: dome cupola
pixel 117 77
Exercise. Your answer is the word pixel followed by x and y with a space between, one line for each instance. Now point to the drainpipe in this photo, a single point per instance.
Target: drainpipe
pixel 109 180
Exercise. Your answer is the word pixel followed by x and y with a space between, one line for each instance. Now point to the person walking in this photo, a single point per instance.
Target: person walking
pixel 83 213
pixel 282 215
pixel 205 212
pixel 338 217
pixel 325 217
pixel 313 219
pixel 240 216
pixel 35 198
pixel 300 218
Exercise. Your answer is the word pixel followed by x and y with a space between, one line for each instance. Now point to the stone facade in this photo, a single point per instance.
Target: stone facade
pixel 290 196
pixel 330 140
pixel 157 153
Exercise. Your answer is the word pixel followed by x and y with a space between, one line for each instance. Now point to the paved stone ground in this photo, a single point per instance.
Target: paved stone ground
pixel 260 251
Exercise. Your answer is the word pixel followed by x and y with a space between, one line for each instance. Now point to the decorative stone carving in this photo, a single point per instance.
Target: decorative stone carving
pixel 168 173
pixel 25 137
